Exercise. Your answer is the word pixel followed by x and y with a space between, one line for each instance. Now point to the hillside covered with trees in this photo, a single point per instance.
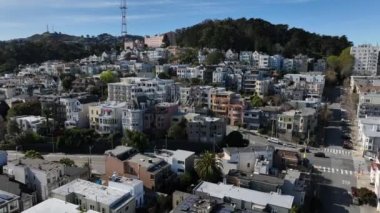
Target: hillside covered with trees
pixel 54 46
pixel 257 34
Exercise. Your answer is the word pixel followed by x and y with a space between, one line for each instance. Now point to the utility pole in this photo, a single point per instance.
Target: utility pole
pixel 307 143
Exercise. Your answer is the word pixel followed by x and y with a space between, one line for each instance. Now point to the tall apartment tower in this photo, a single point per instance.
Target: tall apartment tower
pixel 366 59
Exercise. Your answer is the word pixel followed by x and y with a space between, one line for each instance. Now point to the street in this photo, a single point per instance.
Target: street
pixel 97 161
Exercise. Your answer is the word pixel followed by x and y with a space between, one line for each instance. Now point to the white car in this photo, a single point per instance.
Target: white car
pixel 274 140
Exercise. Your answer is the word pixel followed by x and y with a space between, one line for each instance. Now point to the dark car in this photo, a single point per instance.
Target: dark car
pixel 320 155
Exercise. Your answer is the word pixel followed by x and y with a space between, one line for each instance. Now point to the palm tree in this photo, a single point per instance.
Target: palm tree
pixel 209 167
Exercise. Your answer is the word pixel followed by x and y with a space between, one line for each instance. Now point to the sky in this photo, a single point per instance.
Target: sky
pixel 359 20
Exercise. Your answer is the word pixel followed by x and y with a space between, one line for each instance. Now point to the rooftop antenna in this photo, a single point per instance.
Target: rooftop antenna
pixel 123 8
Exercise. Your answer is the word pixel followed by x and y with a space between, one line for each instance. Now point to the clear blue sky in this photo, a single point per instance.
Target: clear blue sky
pixel 358 19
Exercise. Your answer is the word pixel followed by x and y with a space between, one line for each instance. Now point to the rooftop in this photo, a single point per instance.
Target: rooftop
pixel 39 164
pixel 257 178
pixel 119 151
pixel 6 197
pixel 54 205
pixel 177 154
pixel 147 161
pixel 92 191
pixel 221 191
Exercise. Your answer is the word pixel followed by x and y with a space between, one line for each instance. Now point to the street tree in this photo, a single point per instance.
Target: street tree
pixel 235 139
pixel 209 167
pixel 135 139
pixel 108 77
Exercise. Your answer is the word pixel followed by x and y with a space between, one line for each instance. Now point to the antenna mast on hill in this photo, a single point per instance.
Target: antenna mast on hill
pixel 123 8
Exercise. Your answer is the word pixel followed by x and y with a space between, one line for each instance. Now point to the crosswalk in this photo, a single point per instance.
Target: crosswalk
pixel 334 170
pixel 337 151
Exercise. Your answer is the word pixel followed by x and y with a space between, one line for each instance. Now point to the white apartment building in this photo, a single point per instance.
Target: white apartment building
pixel 106 118
pixel 159 90
pixel 77 111
pixel 133 119
pixel 157 54
pixel 134 186
pixel 313 83
pixel 297 121
pixel 57 206
pixel 262 87
pixel 246 56
pixel 247 159
pixel 369 133
pixel 219 75
pixel 366 59
pixel 179 160
pixel 184 72
pixel 40 175
pixel 205 129
pixel 31 122
pixel 92 196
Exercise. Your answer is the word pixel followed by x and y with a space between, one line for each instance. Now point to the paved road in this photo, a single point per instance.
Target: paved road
pixel 97 161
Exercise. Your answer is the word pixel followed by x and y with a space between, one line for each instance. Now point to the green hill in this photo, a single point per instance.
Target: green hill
pixel 258 34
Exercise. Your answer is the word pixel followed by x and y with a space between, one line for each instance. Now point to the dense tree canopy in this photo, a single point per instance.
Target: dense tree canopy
pixel 178 131
pixel 27 108
pixel 74 138
pixel 257 34
pixel 235 139
pixel 67 162
pixel 214 58
pixel 339 67
pixel 108 77
pixel 136 140
pixel 32 154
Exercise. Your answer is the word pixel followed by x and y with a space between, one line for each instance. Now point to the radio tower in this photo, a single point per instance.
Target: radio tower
pixel 123 8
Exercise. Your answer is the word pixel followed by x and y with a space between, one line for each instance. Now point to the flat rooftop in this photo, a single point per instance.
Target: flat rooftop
pixel 146 161
pixel 54 205
pixel 39 164
pixel 221 191
pixel 92 191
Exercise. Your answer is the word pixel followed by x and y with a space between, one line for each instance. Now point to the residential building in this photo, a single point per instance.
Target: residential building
pixel 31 123
pixel 249 82
pixel 134 186
pixel 231 55
pixel 205 129
pixel 276 62
pixel 284 159
pixel 366 59
pixel 133 119
pixel 156 90
pixel 262 183
pixel 106 118
pixel 375 180
pixel 92 196
pixel 289 65
pixel 154 41
pixel 154 172
pixel 27 196
pixel 298 122
pixel 57 206
pixel 301 63
pixel 245 198
pixel 77 110
pixel 9 203
pixel 228 105
pixel 296 184
pixel 368 105
pixel 51 103
pixel 320 65
pixel 179 160
pixel 39 175
pixel 369 134
pixel 252 159
pixel 190 72
pixel 262 87
pixel 252 119
pixel 163 113
pixel 246 57
pixel 312 83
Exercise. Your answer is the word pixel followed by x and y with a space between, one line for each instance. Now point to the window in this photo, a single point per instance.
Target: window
pixel 151 177
pixel 180 170
pixel 91 207
pixel 103 210
pixel 248 165
pixel 180 162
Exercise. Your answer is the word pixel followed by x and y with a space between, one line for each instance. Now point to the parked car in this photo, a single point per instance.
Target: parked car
pixel 369 155
pixel 274 140
pixel 320 155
